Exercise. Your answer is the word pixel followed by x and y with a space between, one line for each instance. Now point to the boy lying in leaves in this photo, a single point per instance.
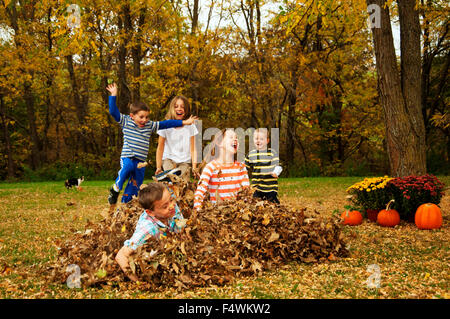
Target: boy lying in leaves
pixel 160 215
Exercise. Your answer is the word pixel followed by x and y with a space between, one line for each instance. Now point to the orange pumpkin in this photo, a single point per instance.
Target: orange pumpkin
pixel 351 218
pixel 388 217
pixel 428 216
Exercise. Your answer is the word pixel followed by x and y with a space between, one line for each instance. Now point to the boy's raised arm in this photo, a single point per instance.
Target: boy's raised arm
pixel 113 110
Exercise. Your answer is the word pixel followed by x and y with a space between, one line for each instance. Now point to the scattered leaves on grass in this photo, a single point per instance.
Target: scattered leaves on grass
pixel 404 254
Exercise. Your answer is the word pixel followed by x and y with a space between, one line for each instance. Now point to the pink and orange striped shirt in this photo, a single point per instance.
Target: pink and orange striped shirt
pixel 220 180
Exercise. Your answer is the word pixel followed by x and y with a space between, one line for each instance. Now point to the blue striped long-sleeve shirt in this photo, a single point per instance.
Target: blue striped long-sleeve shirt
pixel 136 140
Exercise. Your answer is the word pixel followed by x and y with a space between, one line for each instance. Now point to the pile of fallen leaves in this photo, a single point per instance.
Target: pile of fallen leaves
pixel 221 242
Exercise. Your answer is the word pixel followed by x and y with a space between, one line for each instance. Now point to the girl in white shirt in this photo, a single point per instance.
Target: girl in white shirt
pixel 176 147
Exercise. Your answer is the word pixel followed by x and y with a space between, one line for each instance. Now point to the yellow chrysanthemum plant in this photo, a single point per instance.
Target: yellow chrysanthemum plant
pixel 371 194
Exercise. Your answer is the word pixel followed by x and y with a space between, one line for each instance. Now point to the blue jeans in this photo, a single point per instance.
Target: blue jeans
pixel 129 170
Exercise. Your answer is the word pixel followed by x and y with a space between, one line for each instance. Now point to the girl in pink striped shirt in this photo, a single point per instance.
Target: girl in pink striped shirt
pixel 223 176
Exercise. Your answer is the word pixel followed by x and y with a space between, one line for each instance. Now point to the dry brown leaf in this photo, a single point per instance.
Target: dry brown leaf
pixel 273 237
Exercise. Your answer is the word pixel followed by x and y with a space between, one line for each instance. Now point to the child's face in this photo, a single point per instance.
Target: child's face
pixel 260 140
pixel 140 118
pixel 230 142
pixel 164 208
pixel 179 109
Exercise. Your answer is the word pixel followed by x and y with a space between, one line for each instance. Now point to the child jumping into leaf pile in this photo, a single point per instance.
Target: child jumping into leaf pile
pixel 222 176
pixel 161 214
pixel 137 129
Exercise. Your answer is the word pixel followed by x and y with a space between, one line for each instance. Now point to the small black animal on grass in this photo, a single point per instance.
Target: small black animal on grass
pixel 71 182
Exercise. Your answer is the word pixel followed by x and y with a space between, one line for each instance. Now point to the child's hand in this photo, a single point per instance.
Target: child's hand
pixel 190 120
pixel 277 171
pixel 158 170
pixel 112 88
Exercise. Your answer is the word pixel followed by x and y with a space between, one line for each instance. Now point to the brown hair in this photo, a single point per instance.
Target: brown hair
pixel 150 194
pixel 138 106
pixel 171 112
pixel 212 148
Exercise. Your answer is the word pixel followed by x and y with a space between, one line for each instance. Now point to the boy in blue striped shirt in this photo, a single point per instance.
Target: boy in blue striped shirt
pixel 137 129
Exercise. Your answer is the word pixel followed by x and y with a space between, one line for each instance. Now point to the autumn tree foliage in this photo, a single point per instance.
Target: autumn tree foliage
pixel 304 67
pixel 328 53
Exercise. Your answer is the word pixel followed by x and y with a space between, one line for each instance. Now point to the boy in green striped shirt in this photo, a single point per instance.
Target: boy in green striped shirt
pixel 262 164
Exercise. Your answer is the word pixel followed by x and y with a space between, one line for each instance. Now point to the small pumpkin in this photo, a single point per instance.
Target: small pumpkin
pixel 388 217
pixel 428 216
pixel 351 218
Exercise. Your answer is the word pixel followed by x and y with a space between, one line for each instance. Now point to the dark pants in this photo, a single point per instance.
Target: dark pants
pixel 270 196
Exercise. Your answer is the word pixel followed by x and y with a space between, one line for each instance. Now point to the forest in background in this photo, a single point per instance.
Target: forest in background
pixel 305 67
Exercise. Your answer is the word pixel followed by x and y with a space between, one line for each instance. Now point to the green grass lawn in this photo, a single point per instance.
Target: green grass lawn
pixel 413 263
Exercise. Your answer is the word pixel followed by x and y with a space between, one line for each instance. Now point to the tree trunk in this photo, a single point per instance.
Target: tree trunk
pixel 426 67
pixel 411 64
pixel 290 130
pixel 135 86
pixel 195 13
pixel 11 165
pixel 48 104
pixel 124 96
pixel 35 143
pixel 105 60
pixel 75 91
pixel 80 104
pixel 136 54
pixel 405 142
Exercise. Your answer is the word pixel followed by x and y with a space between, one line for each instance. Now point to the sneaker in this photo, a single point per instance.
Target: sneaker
pixel 164 176
pixel 113 195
